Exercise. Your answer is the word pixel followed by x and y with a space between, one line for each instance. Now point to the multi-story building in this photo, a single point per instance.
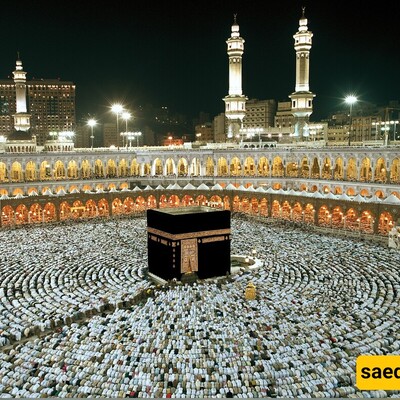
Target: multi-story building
pixel 259 113
pixel 51 105
pixel 219 128
pixel 204 133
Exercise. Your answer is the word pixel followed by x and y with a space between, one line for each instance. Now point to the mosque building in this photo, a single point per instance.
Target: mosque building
pixel 348 189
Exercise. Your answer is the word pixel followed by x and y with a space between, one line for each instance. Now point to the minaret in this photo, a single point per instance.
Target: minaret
pixel 21 117
pixel 302 98
pixel 235 102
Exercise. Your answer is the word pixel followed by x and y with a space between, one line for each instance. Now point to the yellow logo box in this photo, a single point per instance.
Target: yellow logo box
pixel 378 372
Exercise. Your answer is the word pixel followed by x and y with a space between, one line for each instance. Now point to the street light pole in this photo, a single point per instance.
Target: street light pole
pixel 117 109
pixel 92 122
pixel 126 116
pixel 351 99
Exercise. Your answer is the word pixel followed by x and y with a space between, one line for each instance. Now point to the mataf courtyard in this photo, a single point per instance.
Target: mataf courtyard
pixel 80 318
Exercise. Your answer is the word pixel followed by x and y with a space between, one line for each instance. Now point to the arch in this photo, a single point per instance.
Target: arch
pixel 72 170
pixel 227 203
pixel 275 209
pixel 32 191
pixel 201 200
pixel 170 168
pixel 324 216
pixel 77 210
pixel 140 204
pixel 65 211
pixel 174 201
pixel 351 191
pixel 254 206
pixel 366 222
pixel 135 168
pixel 222 167
pixel 16 172
pixel 236 204
pixel 183 167
pixel 286 210
pixel 117 206
pixel 337 217
pixel 147 169
pixel 292 169
pixel 380 194
pixel 365 193
pixel 245 205
pixel 21 214
pixel 297 213
pixel 351 170
pixel 123 168
pixel 187 200
pixel 263 167
pixel 158 167
pixel 365 170
pixel 380 172
pixel 104 209
pixel 315 169
pixel 210 167
pixel 30 171
pixel 277 167
pixel 235 167
pixel 264 207
pixel 385 223
pixel 327 169
pixel 338 172
pixel 35 213
pixel 151 202
pixel 216 201
pixel 49 211
pixel 45 171
pixel 98 169
pixel 17 192
pixel 3 172
pixel 129 205
pixel 305 168
pixel 59 170
pixel 195 167
pixel 111 169
pixel 163 201
pixel 352 220
pixel 249 167
pixel 395 171
pixel 309 213
pixel 86 170
pixel 91 209
pixel 7 216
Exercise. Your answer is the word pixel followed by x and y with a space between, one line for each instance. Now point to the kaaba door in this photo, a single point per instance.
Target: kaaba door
pixel 189 256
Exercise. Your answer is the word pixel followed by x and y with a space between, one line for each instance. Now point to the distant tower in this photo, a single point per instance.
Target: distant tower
pixel 21 117
pixel 235 102
pixel 302 98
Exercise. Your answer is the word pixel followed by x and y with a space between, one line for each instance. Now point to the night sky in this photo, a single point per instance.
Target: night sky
pixel 174 53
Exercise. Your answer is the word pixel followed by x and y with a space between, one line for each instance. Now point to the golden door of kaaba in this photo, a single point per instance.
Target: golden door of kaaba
pixel 189 256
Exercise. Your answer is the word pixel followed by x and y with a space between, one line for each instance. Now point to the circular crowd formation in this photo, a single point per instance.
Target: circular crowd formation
pixel 321 302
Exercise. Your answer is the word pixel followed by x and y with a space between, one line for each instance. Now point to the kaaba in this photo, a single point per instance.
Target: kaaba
pixel 189 240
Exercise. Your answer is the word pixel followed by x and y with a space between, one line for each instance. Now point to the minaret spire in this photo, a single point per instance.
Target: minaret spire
pixel 21 117
pixel 302 97
pixel 235 102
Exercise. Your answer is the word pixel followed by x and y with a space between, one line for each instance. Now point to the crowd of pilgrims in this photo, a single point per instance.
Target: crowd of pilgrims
pixel 80 318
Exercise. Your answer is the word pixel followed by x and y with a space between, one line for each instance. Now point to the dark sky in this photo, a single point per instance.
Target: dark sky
pixel 173 53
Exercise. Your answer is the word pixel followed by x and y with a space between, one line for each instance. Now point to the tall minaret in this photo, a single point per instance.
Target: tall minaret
pixel 235 102
pixel 302 98
pixel 21 117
